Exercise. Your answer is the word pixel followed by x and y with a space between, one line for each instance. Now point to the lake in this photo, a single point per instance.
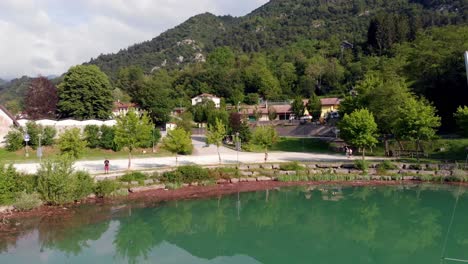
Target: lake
pixel 308 224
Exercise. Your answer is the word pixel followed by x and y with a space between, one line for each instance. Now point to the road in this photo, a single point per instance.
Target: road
pixel 202 155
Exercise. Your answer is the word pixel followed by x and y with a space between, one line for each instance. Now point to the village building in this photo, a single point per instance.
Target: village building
pixel 7 121
pixel 329 105
pixel 120 108
pixel 205 96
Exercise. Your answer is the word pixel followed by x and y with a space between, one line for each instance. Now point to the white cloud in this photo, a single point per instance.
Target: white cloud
pixel 48 36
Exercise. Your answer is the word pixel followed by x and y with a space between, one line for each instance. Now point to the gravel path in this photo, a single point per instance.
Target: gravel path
pixel 202 156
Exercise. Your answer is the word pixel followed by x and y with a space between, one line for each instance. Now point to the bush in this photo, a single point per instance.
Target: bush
pixel 186 174
pixel 223 173
pixel 133 176
pixel 387 165
pixel 107 138
pixel 91 134
pixel 8 187
pixel 14 140
pixel 83 185
pixel 27 183
pixel 27 201
pixel 105 188
pixel 291 166
pixel 59 184
pixel 362 165
pixel 71 143
pixel 48 136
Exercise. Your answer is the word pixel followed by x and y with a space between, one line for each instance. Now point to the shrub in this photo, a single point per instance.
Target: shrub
pixel 71 143
pixel 27 183
pixel 133 176
pixel 387 165
pixel 223 173
pixel 14 140
pixel 107 138
pixel 27 201
pixel 8 187
pixel 105 188
pixel 48 136
pixel 186 174
pixel 362 165
pixel 83 185
pixel 173 185
pixel 91 133
pixel 59 184
pixel 291 166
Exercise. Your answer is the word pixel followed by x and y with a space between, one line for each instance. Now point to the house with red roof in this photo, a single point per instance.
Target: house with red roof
pixel 205 96
pixel 329 105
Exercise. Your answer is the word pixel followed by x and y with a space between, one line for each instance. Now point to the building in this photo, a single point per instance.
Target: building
pixel 198 99
pixel 329 105
pixel 120 108
pixel 260 112
pixel 7 121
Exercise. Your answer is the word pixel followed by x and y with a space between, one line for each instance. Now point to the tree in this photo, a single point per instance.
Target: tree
pixel 272 115
pixel 71 143
pixel 359 129
pixel 216 134
pixel 265 136
pixel 41 99
pixel 314 106
pixel 185 121
pixel 461 117
pixel 297 107
pixel 85 93
pixel 417 121
pixel 132 131
pixel 178 141
pixel 107 138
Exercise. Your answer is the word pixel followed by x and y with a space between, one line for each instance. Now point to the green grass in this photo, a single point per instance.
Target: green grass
pixel 297 145
pixel 90 154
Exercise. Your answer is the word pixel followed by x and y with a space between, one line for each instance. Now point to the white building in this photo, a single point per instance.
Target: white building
pixel 7 120
pixel 198 99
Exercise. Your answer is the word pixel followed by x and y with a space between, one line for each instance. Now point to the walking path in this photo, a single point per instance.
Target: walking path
pixel 202 156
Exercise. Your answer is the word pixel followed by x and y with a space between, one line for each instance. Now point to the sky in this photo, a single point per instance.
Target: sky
pixel 46 37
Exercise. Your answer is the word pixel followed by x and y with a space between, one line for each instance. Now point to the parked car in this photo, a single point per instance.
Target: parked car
pixel 307 117
pixel 334 114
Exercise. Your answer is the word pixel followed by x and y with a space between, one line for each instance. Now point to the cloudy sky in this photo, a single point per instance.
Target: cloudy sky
pixel 48 36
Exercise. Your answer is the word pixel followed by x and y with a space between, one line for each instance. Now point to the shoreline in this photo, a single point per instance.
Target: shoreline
pixel 147 197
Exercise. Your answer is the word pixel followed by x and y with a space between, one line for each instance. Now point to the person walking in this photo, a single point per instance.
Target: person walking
pixel 350 153
pixel 106 166
pixel 347 151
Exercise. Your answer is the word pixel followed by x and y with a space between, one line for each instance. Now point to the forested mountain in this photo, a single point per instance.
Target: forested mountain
pixel 282 22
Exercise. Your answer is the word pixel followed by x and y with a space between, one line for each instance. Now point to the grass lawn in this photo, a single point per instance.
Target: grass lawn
pixel 297 145
pixel 90 154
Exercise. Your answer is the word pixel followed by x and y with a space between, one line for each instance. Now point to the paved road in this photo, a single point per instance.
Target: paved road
pixel 202 156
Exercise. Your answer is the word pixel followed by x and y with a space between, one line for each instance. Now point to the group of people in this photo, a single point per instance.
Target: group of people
pixel 349 152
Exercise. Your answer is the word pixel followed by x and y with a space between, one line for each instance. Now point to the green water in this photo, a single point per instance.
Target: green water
pixel 399 224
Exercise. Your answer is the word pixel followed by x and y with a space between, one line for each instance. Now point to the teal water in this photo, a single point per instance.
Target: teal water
pixel 398 224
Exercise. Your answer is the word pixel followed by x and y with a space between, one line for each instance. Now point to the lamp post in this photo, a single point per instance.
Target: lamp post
pixel 238 146
pixel 26 139
pixel 39 149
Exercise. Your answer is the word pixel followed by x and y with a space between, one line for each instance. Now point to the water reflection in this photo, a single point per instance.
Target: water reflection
pixel 328 224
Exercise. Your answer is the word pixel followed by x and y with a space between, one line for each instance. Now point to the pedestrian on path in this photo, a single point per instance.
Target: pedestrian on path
pixel 106 166
pixel 350 153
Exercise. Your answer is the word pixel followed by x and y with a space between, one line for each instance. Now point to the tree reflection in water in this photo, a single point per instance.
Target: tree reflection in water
pixel 368 224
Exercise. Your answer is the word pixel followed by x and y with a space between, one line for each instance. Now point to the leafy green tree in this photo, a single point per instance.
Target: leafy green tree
pixel 185 121
pixel 85 93
pixel 178 141
pixel 132 131
pixel 297 107
pixel 314 106
pixel 417 121
pixel 130 79
pixel 461 117
pixel 91 133
pixel 359 129
pixel 48 136
pixel 265 136
pixel 216 134
pixel 272 115
pixel 71 143
pixel 252 98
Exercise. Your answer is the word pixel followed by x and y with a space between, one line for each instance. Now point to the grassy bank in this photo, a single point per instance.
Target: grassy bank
pixel 7 157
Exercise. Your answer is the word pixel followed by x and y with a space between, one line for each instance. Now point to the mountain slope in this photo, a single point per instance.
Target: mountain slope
pixel 276 24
